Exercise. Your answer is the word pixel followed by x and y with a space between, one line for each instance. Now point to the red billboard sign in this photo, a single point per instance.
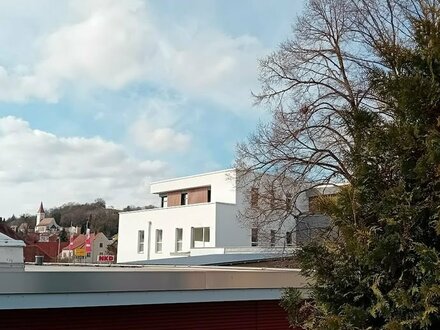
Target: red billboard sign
pixel 106 258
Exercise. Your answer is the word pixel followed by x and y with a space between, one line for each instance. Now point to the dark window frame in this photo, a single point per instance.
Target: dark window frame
pixel 163 201
pixel 184 198
pixel 254 236
pixel 289 238
pixel 273 237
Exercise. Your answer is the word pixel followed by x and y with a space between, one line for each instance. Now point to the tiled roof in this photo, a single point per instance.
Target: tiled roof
pixel 80 241
pixel 46 222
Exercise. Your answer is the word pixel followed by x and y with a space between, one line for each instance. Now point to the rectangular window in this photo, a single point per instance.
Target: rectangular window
pixel 101 245
pixel 272 237
pixel 184 199
pixel 254 237
pixel 272 199
pixel 140 241
pixel 179 237
pixel 254 197
pixel 158 240
pixel 289 241
pixel 200 236
pixel 288 201
pixel 209 195
pixel 164 201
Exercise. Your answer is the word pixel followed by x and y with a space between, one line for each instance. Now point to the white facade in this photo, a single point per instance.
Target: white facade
pixel 11 254
pixel 207 224
pixel 40 216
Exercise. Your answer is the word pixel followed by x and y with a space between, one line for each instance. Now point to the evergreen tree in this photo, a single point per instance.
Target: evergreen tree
pixel 63 235
pixel 382 269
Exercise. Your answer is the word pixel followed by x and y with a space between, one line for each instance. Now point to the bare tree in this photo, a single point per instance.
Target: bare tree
pixel 317 86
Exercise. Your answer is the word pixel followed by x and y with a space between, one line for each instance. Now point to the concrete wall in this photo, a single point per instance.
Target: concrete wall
pixel 230 232
pixel 167 219
pixel 272 222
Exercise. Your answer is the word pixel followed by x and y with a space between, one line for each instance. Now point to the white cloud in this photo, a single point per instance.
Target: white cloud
pixel 111 44
pixel 209 64
pixel 36 165
pixel 108 45
pixel 18 87
pixel 154 127
pixel 159 139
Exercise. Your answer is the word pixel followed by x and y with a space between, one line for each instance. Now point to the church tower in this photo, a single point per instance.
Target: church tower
pixel 40 214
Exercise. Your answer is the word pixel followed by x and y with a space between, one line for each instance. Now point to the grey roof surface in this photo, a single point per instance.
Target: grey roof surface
pixel 8 241
pixel 211 259
pixel 58 286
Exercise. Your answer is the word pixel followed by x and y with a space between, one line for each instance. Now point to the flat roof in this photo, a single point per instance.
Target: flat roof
pixel 53 286
pixel 193 176
pixel 213 259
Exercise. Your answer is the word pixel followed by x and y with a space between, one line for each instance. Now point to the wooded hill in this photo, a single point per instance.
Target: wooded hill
pixel 99 217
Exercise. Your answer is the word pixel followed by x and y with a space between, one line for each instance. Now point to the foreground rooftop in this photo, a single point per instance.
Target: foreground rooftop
pixel 54 286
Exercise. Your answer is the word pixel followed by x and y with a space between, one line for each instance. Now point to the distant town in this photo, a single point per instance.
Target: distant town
pixel 198 216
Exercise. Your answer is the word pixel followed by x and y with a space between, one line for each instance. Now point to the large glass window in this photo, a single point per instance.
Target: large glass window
pixel 158 240
pixel 141 238
pixel 200 236
pixel 179 239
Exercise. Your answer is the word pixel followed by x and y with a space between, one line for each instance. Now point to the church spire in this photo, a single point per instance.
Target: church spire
pixel 41 209
pixel 40 214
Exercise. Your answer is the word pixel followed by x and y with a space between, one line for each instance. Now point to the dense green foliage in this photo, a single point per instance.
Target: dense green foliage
pixel 382 268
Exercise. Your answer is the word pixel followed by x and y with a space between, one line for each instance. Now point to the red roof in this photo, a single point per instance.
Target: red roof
pixel 80 242
pixel 49 251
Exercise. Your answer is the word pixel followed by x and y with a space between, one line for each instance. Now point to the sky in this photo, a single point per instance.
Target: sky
pixel 98 98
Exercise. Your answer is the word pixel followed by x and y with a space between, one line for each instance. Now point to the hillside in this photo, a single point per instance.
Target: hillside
pixel 99 217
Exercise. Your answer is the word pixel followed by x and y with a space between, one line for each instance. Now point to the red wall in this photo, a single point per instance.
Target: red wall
pixel 257 315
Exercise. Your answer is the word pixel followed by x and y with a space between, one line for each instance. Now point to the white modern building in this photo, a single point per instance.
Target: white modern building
pixel 198 216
